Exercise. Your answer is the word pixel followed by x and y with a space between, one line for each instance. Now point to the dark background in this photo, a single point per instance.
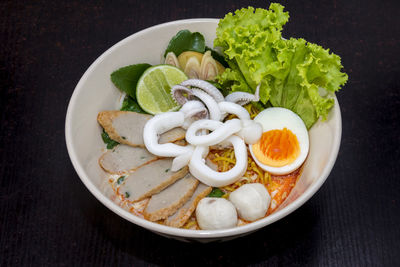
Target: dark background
pixel 48 217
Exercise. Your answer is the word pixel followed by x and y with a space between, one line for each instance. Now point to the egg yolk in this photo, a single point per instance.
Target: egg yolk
pixel 277 148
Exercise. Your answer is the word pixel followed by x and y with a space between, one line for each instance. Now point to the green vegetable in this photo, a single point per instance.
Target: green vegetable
pixel 260 106
pixel 217 56
pixel 291 72
pixel 216 192
pixel 232 78
pixel 127 195
pixel 108 141
pixel 127 77
pixel 223 89
pixel 130 104
pixel 120 179
pixel 185 40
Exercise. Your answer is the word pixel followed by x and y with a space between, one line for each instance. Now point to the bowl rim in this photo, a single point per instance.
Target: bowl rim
pixel 155 227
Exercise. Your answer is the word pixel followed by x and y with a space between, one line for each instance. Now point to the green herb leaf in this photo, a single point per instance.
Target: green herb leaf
pixel 218 57
pixel 127 194
pixel 127 77
pixel 121 179
pixel 185 40
pixel 167 170
pixel 130 104
pixel 108 141
pixel 216 192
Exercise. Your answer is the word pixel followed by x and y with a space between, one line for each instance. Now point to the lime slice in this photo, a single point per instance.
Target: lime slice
pixel 154 87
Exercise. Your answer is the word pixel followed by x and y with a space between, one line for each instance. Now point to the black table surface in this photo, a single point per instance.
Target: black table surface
pixel 48 217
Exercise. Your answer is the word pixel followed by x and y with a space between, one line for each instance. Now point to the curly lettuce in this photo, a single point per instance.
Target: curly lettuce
pixel 293 73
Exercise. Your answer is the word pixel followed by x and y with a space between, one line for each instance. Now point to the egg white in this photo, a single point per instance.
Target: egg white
pixel 276 119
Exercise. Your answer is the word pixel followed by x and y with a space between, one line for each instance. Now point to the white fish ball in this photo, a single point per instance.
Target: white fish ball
pixel 216 213
pixel 251 201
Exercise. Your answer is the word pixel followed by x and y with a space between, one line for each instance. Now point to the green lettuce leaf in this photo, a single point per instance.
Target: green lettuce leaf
pixel 249 30
pixel 292 73
pixel 234 80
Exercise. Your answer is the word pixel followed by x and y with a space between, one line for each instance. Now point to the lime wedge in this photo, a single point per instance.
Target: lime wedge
pixel 154 87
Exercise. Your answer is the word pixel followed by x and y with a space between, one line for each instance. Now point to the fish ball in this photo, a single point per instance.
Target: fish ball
pixel 251 201
pixel 216 213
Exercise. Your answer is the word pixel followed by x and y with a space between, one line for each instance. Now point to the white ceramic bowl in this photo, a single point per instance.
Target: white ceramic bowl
pixel 95 92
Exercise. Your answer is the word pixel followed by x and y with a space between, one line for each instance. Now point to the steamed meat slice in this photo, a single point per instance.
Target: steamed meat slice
pixel 125 158
pixel 126 127
pixel 173 135
pixel 169 200
pixel 150 179
pixel 180 217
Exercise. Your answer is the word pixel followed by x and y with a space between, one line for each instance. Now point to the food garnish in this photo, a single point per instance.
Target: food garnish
pixel 188 52
pixel 129 104
pixel 291 72
pixel 154 87
pixel 120 180
pixel 185 40
pixel 127 77
pixel 108 141
pixel 196 65
pixel 216 192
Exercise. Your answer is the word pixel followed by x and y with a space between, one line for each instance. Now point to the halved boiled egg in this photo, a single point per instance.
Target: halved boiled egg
pixel 284 144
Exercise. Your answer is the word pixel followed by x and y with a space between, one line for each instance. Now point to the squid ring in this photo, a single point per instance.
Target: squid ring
pixel 205 174
pixel 209 101
pixel 206 87
pixel 221 131
pixel 158 125
pixel 233 108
